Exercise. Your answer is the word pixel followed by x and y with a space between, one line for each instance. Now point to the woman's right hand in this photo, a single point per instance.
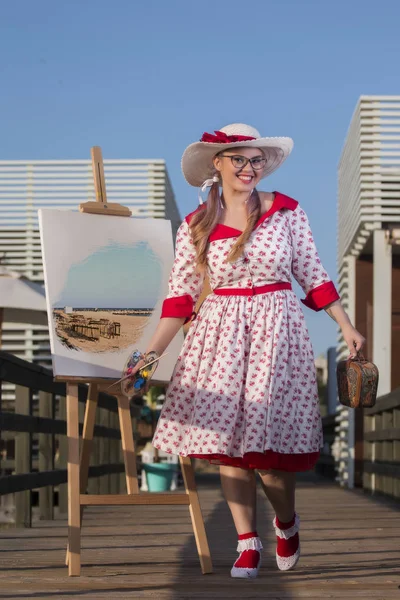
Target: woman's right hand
pixel 131 372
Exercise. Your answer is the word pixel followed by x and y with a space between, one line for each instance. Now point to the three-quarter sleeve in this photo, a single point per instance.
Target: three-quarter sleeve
pixel 306 264
pixel 185 282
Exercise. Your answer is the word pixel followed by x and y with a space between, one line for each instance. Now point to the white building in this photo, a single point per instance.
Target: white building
pixel 142 185
pixel 368 255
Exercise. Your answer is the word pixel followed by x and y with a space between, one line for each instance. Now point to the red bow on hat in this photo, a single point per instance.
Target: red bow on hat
pixel 222 138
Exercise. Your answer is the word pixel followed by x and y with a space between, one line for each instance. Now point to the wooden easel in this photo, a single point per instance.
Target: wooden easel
pixel 78 466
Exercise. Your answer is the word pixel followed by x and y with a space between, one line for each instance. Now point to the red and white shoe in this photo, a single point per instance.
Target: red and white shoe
pixel 287 543
pixel 249 561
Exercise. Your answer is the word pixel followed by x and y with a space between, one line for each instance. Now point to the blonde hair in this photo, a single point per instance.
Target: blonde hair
pixel 204 222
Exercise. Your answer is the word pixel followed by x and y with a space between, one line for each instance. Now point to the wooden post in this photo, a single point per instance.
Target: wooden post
pixel 87 441
pixel 93 482
pixel 74 510
pixel 87 435
pixel 122 476
pixel 396 451
pixel 62 459
pixel 104 452
pixel 114 454
pixel 101 206
pixel 196 515
pixel 23 505
pixel 45 457
pixel 128 446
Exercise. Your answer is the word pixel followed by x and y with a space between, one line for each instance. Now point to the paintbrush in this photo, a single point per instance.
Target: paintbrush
pixel 144 367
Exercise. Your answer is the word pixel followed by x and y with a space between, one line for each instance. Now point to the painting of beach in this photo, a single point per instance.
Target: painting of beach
pixel 105 278
pixel 100 330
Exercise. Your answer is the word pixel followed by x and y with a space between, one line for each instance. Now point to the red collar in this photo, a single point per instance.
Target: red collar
pixel 222 232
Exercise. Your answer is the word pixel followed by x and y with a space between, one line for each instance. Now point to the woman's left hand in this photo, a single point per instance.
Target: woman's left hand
pixel 354 340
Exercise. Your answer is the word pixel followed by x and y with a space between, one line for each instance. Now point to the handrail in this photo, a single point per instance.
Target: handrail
pixel 21 372
pixel 31 381
pixel 382 446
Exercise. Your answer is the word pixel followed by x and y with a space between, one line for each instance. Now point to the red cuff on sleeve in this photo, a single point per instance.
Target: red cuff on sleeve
pixel 179 307
pixel 321 296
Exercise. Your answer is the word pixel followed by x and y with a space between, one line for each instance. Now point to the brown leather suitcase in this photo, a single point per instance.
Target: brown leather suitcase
pixel 357 380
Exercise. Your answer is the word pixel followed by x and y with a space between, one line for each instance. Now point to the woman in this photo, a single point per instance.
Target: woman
pixel 243 393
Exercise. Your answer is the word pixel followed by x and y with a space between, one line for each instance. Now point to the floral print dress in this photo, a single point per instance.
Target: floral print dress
pixel 243 391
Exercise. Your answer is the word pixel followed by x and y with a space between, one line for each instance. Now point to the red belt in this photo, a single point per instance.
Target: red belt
pixel 254 291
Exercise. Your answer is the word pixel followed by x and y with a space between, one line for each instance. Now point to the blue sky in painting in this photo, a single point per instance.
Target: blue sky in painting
pixel 114 277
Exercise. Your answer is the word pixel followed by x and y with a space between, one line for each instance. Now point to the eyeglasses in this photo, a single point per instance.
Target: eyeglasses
pixel 240 162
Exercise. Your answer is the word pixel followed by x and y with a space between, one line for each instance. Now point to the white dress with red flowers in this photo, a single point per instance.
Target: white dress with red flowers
pixel 243 391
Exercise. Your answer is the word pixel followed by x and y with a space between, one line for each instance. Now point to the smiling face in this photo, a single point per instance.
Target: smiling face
pixel 234 175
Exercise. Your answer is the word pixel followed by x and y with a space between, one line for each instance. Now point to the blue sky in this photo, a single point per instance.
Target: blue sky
pixel 128 271
pixel 145 79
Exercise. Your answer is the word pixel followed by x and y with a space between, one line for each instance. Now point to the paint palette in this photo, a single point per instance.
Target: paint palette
pixel 131 386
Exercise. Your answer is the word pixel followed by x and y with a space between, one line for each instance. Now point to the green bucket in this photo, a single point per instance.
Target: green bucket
pixel 159 475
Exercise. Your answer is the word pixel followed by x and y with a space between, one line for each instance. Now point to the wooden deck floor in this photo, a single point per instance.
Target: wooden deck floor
pixel 350 549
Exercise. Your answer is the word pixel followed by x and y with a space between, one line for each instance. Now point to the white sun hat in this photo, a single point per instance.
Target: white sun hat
pixel 197 160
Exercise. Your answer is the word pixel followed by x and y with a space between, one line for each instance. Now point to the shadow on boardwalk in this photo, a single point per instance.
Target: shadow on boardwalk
pixel 350 547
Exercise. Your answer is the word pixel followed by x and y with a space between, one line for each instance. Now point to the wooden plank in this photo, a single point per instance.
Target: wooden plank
pixel 396 451
pixel 387 419
pixel 87 435
pixel 21 372
pixel 382 435
pixel 62 459
pixel 122 479
pixel 23 510
pixel 387 402
pixel 11 484
pixel 74 519
pixel 46 459
pixel 381 468
pixel 101 206
pixel 93 486
pixel 15 422
pixel 135 499
pixel 37 380
pixel 128 445
pixel 104 482
pixel 114 455
pixel 196 515
pixel 81 417
pixel 132 552
pixel 16 484
pixel 111 209
pixel 85 380
pixel 29 424
pixel 99 179
pixel 368 423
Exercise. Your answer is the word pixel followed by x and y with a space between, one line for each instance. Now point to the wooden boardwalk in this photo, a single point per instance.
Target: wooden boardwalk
pixel 350 549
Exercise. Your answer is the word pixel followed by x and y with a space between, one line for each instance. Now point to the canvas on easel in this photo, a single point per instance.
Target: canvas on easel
pixel 92 245
pixel 105 279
